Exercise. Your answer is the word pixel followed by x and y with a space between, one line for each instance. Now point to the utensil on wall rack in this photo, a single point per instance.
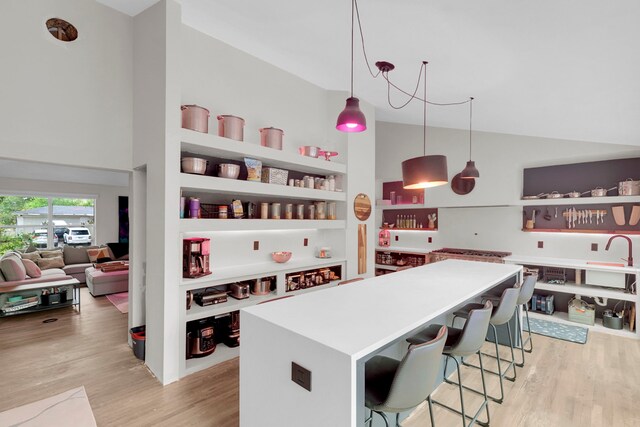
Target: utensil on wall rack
pixel 547 216
pixel 635 215
pixel 618 215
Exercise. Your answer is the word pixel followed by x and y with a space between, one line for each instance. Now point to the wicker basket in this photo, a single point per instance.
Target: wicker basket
pixel 275 176
pixel 582 312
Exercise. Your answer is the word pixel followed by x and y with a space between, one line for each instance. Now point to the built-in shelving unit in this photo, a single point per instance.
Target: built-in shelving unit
pixel 583 290
pixel 390 259
pixel 255 266
pixel 569 201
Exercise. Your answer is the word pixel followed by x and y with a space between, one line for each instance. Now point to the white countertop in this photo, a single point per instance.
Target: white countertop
pixel 358 318
pixel 572 263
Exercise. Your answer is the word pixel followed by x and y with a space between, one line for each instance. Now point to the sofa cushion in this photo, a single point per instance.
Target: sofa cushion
pixel 76 268
pixel 95 254
pixel 33 256
pixel 76 255
pixel 53 272
pixel 54 253
pixel 31 268
pixel 12 268
pixel 47 263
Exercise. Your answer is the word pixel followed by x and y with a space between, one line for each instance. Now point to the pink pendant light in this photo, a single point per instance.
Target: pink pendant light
pixel 352 119
pixel 424 171
pixel 470 171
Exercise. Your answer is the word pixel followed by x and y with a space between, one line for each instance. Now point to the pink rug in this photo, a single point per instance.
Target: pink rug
pixel 121 301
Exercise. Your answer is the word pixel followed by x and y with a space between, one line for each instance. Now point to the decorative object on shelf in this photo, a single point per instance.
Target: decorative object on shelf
pixel 332 211
pixel 309 151
pixel 254 169
pixel 223 212
pixel 189 299
pixel 275 211
pixel 470 171
pixel 237 209
pixel 629 187
pixel 327 154
pixel 618 215
pixel 314 277
pixel 543 303
pixel 530 224
pixel 195 257
pixel 362 206
pixel 239 290
pixel 61 30
pixel 271 137
pixel 194 165
pixel 462 186
pixel 200 338
pixel 288 211
pixel 384 237
pixel 183 205
pixel 281 257
pixel 228 170
pixel 635 215
pixel 231 127
pixel 601 192
pixel 210 296
pixel 352 119
pixel 261 286
pixel 323 252
pixel 274 176
pixel 432 220
pixel 195 118
pixel 362 248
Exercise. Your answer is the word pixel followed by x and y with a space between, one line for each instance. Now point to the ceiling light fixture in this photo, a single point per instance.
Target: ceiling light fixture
pixel 470 171
pixel 423 171
pixel 352 119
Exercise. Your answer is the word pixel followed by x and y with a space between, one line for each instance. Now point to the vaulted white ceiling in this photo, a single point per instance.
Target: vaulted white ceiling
pixel 566 69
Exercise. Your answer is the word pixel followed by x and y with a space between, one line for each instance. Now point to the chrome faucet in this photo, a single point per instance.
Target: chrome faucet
pixel 630 259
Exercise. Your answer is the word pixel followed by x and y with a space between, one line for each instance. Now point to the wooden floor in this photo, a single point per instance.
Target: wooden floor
pixel 563 384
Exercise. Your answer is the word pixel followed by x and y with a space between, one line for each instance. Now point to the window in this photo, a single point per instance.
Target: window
pixel 42 221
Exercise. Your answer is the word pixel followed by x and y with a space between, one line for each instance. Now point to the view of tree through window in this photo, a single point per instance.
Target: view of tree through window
pixel 45 222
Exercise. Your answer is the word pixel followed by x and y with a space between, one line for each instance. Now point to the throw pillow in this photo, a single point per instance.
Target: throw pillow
pixel 47 263
pixel 75 255
pixel 94 254
pixel 12 268
pixel 33 256
pixel 51 253
pixel 31 268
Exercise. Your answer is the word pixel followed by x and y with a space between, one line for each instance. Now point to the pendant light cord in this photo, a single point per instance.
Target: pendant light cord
pixel 424 123
pixel 353 6
pixel 470 122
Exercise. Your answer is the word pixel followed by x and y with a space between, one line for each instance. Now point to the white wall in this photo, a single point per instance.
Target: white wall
pixel 106 200
pixel 500 158
pixel 66 103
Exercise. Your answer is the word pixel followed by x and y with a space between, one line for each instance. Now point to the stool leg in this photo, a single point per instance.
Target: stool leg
pixel 370 419
pixel 433 422
pixel 519 328
pixel 512 362
pixel 529 339
pixel 484 389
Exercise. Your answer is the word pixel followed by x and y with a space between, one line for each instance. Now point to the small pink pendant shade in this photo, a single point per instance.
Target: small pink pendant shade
pixel 351 119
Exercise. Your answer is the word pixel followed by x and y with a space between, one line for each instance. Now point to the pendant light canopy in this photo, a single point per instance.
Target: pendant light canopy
pixel 470 171
pixel 424 171
pixel 352 119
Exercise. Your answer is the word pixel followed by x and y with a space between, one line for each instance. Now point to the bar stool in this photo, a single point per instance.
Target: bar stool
pixel 526 292
pixel 398 385
pixel 462 343
pixel 501 315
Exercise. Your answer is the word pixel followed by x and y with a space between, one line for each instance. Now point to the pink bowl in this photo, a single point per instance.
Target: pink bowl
pixel 281 256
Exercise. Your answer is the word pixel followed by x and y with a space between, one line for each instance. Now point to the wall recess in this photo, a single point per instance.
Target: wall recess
pixel 61 29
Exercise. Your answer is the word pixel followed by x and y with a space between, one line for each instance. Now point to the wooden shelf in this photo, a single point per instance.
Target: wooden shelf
pixel 403 206
pixel 417 251
pixel 211 184
pixel 562 317
pixel 211 225
pixel 587 291
pixel 409 229
pixel 197 312
pixel 577 230
pixel 222 354
pixel 387 267
pixel 216 146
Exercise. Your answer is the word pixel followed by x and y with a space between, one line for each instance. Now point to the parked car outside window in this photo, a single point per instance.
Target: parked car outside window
pixel 77 236
pixel 40 239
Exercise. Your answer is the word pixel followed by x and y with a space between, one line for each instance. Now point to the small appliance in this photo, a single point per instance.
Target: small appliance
pixel 239 290
pixel 212 297
pixel 196 253
pixel 200 338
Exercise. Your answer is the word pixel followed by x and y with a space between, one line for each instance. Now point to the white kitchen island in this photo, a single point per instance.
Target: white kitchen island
pixel 334 331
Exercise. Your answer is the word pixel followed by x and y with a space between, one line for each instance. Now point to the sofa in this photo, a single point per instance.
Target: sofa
pixel 14 272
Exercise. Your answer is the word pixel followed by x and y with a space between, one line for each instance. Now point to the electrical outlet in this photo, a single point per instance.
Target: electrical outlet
pixel 301 376
pixel 540 244
pixel 594 247
pixel 429 239
pixel 256 245
pixel 397 238
pixel 306 241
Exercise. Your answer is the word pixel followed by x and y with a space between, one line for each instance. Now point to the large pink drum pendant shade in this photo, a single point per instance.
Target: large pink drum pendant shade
pixel 424 172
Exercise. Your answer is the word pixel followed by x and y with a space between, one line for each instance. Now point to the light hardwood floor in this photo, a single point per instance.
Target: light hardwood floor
pixel 563 384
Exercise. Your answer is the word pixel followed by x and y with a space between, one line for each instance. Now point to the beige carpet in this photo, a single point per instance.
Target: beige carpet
pixel 68 409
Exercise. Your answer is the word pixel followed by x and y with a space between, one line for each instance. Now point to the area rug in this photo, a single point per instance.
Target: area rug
pixel 68 409
pixel 121 301
pixel 577 334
